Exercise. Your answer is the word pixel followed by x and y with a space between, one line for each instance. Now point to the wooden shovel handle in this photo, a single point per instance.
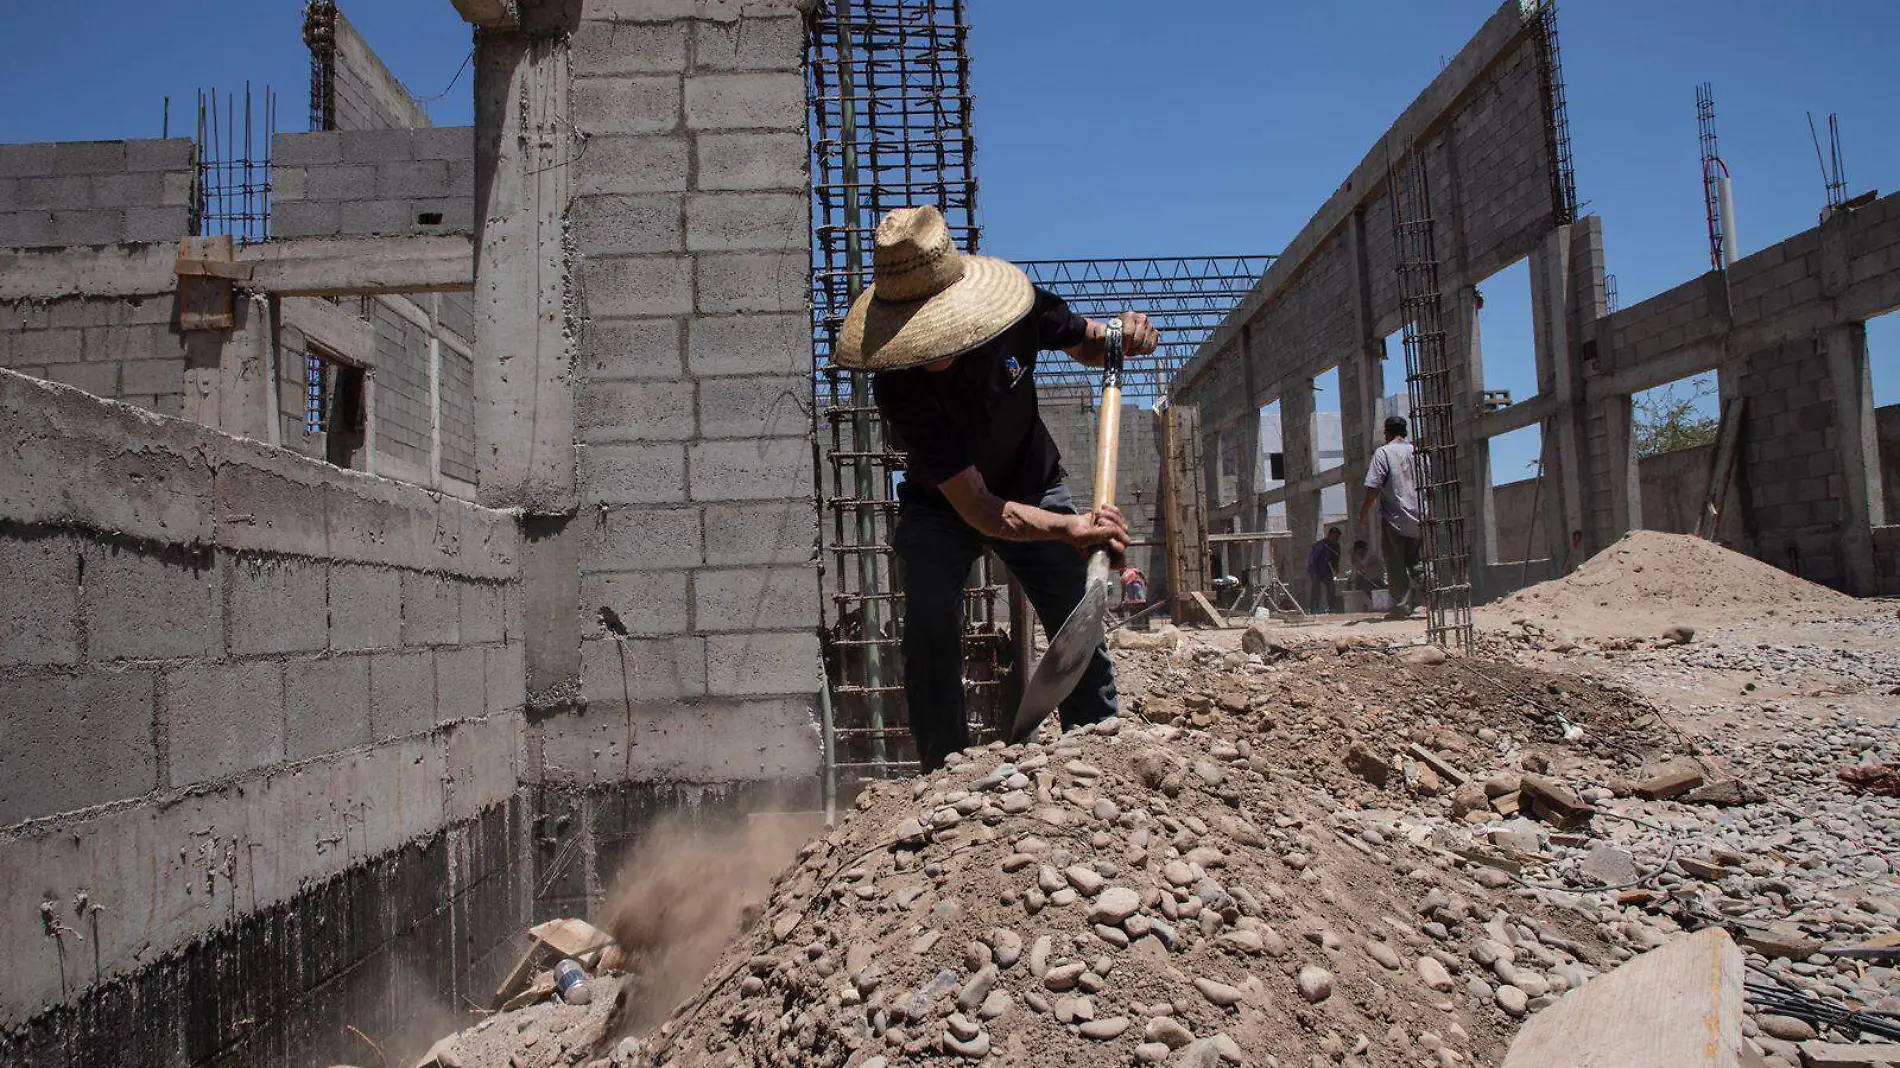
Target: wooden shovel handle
pixel 1108 437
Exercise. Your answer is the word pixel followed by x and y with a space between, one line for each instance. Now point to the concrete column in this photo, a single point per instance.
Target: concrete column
pixel 1856 444
pixel 524 394
pixel 1296 438
pixel 1626 500
pixel 1559 375
pixel 228 373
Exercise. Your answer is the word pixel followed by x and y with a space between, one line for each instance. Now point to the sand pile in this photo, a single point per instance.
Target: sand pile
pixel 1648 581
pixel 1140 893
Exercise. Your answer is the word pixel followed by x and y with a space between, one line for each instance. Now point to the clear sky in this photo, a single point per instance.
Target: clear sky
pixel 1117 127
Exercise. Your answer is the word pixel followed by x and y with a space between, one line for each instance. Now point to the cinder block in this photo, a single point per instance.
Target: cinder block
pixel 482 765
pixel 628 224
pixel 9 194
pixel 151 606
pixel 761 663
pixel 761 598
pixel 632 473
pixel 626 48
pixel 306 218
pixel 638 286
pixel 632 538
pixel 654 164
pixel 26 229
pixel 615 671
pixel 752 161
pixel 41 623
pixel 614 105
pixel 401 693
pixel 277 605
pixel 762 407
pixel 765 469
pixel 416 178
pixel 455 214
pixel 431 609
pixel 484 612
pixel 648 603
pixel 375 217
pixel 307 149
pixel 749 44
pixel 452 143
pixel 88 157
pixel 326 705
pixel 222 720
pixel 507 673
pixel 772 532
pixel 745 101
pixel 87 226
pixel 632 348
pixel 156 154
pixel 353 181
pixel 378 145
pixel 74 740
pixel 724 222
pixel 125 190
pixel 24 161
pixel 48 346
pixel 634 411
pixel 751 282
pixel 65 191
pixel 365 607
pixel 460 680
pixel 98 379
pixel 152 376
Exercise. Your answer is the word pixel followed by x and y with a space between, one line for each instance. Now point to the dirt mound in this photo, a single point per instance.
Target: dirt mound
pixel 1648 581
pixel 1142 892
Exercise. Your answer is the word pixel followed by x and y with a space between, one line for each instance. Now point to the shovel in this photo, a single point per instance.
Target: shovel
pixel 1069 651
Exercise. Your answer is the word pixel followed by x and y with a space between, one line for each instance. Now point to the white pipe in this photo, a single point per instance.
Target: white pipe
pixel 1731 241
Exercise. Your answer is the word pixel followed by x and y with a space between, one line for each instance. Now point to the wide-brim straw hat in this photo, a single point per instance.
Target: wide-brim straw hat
pixel 927 301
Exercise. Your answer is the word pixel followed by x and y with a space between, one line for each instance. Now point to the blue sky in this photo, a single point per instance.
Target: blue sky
pixel 1106 130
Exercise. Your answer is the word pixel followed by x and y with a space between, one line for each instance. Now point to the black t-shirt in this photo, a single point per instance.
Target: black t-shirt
pixel 982 411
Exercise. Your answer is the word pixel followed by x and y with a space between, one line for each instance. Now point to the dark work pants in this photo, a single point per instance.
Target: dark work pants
pixel 937 549
pixel 1403 575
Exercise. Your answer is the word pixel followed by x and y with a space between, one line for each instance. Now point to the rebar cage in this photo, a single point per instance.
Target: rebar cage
pixel 890 127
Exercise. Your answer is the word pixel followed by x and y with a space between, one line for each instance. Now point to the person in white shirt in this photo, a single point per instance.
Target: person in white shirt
pixel 1391 483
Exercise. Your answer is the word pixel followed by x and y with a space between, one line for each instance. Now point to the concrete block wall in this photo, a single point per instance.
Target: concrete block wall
pixel 1072 416
pixel 96 192
pixel 1332 295
pixel 121 348
pixel 217 649
pixel 378 181
pixel 693 403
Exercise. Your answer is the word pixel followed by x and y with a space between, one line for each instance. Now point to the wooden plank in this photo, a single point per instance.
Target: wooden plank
pixel 1452 776
pixel 1679 1006
pixel 350 266
pixel 1721 468
pixel 1209 615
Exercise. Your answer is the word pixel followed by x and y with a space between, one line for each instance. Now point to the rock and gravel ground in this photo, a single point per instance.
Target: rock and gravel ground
pixel 1271 859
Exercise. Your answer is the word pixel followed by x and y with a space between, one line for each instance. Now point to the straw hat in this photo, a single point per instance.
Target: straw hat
pixel 927 301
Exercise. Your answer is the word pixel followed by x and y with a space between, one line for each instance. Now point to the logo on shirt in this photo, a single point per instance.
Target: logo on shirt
pixel 1015 368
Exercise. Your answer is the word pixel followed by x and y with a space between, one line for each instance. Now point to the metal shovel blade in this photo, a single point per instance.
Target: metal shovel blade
pixel 1061 667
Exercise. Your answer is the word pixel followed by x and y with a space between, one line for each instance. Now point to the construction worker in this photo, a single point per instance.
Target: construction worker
pixel 1322 568
pixel 1392 485
pixel 953 341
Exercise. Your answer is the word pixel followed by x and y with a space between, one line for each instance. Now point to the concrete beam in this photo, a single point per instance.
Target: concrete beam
pixel 88 271
pixel 490 14
pixel 1513 417
pixel 350 266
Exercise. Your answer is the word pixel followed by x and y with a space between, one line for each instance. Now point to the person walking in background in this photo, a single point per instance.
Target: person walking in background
pixel 1392 485
pixel 1322 568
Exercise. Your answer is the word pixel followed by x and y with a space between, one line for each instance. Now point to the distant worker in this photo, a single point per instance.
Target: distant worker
pixel 1392 485
pixel 1134 596
pixel 1367 574
pixel 1322 569
pixel 953 341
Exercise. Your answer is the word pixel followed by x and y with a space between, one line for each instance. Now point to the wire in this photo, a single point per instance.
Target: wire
pixel 459 71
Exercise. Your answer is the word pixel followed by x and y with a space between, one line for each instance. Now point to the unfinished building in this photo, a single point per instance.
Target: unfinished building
pixel 398 520
pixel 1797 473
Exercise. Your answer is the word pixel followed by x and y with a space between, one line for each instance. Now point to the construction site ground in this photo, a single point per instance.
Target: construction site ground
pixel 1324 844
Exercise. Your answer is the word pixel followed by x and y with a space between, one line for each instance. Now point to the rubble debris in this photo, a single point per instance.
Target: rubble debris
pixel 1670 779
pixel 1846 1055
pixel 1882 779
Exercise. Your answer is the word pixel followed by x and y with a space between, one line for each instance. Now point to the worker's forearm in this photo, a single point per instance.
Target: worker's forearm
pixel 1015 521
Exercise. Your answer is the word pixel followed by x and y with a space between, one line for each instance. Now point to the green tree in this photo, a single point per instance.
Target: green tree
pixel 1667 421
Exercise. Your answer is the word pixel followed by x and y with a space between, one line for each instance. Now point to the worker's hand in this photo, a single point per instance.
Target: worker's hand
pixel 1139 336
pixel 1106 527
